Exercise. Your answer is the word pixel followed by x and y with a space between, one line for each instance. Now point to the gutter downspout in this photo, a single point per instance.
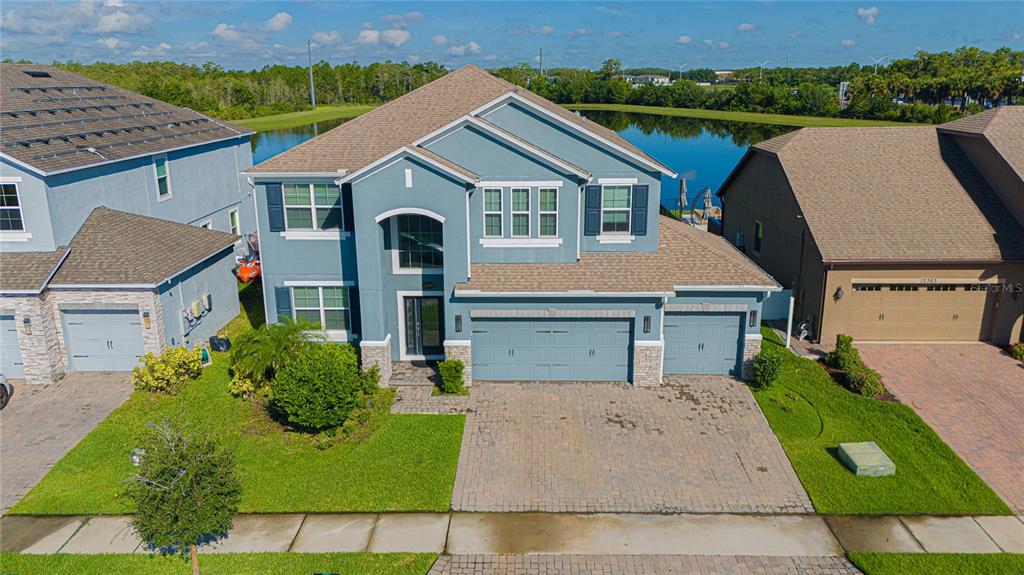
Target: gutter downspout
pixel 579 216
pixel 469 241
pixel 821 309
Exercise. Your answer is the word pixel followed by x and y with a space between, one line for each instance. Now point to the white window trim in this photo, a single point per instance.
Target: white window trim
pixel 13 236
pixel 235 229
pixel 615 238
pixel 618 181
pixel 329 334
pixel 500 212
pixel 402 294
pixel 520 242
pixel 167 175
pixel 513 213
pixel 753 244
pixel 629 215
pixel 520 184
pixel 333 235
pixel 542 212
pixel 396 267
pixel 313 207
pixel 21 235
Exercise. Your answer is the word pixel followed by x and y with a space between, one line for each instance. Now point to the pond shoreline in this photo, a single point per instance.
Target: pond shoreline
pixel 730 116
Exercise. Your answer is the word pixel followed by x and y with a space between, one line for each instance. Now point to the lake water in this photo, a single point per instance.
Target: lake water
pixel 702 151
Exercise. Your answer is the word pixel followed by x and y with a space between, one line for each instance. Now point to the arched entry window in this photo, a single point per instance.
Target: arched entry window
pixel 420 242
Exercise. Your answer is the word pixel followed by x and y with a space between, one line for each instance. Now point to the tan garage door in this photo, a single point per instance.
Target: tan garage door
pixel 943 312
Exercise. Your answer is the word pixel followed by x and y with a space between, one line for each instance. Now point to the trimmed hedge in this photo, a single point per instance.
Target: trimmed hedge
pixel 766 368
pixel 857 377
pixel 320 387
pixel 453 379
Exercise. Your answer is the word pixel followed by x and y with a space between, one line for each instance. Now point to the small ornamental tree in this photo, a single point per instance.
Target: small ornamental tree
pixel 259 353
pixel 186 491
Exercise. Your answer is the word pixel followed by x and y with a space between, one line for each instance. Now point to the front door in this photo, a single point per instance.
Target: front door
pixel 423 327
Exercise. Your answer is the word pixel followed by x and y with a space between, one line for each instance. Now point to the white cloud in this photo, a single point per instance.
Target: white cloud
pixel 544 30
pixel 368 37
pixel 464 49
pixel 114 3
pixel 724 45
pixel 1016 36
pixel 745 27
pixel 395 38
pixel 227 32
pixel 848 42
pixel 615 34
pixel 794 34
pixel 403 20
pixel 326 38
pixel 578 33
pixel 111 42
pixel 156 51
pixel 439 40
pixel 491 57
pixel 868 15
pixel 121 22
pixel 684 40
pixel 708 41
pixel 278 22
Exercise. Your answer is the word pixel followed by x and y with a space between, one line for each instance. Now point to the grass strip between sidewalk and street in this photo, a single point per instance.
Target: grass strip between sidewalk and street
pixel 220 564
pixel 732 116
pixel 811 415
pixel 294 119
pixel 938 563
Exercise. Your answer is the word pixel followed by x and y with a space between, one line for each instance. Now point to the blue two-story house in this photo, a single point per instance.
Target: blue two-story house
pixel 474 219
pixel 120 218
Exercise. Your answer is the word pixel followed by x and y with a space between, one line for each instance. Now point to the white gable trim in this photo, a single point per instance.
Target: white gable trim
pixel 501 100
pixel 373 168
pixel 414 211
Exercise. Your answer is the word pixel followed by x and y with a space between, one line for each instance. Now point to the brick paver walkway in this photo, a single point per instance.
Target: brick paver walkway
pixel 418 399
pixel 43 422
pixel 698 445
pixel 972 395
pixel 638 565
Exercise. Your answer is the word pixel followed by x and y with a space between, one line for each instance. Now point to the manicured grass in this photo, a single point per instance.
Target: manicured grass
pixel 293 119
pixel 811 415
pixel 228 564
pixel 934 563
pixel 778 119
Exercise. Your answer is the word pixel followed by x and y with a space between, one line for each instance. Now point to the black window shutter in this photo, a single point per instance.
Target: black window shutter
pixel 640 193
pixel 592 211
pixel 284 302
pixel 355 318
pixel 275 207
pixel 346 208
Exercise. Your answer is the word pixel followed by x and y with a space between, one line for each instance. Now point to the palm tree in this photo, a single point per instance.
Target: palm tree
pixel 258 353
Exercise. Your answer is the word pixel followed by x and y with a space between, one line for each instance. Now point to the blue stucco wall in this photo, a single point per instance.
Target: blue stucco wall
pixel 35 209
pixel 752 300
pixel 212 276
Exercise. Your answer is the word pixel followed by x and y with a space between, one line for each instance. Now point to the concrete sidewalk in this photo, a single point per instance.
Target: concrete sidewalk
pixel 545 534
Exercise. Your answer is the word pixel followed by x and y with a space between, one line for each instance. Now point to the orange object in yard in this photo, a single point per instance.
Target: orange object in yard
pixel 249 268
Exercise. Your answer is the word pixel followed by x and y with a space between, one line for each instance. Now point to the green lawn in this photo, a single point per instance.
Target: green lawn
pixel 407 463
pixel 293 119
pixel 937 563
pixel 778 119
pixel 228 564
pixel 811 415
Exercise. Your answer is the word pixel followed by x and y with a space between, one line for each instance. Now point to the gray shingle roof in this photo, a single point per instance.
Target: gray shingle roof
pixel 686 257
pixel 51 122
pixel 28 271
pixel 118 248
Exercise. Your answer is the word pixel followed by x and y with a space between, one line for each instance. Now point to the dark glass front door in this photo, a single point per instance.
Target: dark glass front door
pixel 423 326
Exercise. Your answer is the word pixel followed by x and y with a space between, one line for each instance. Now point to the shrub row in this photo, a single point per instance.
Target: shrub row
pixel 857 377
pixel 165 372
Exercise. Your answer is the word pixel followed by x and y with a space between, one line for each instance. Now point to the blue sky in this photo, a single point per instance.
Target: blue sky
pixel 717 35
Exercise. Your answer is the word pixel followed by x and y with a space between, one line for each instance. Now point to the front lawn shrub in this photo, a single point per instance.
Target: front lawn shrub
pixel 856 376
pixel 452 376
pixel 320 386
pixel 843 353
pixel 1017 352
pixel 766 368
pixel 259 353
pixel 165 372
pixel 865 381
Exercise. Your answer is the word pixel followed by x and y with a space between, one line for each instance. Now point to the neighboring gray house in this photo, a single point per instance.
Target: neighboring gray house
pixel 471 218
pixel 74 299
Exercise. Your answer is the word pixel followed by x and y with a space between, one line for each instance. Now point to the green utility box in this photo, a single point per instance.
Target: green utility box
pixel 866 459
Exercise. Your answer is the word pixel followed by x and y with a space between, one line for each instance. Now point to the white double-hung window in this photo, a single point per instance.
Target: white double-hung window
pixel 10 209
pixel 548 212
pixel 312 207
pixel 616 202
pixel 492 213
pixel 520 212
pixel 163 180
pixel 327 308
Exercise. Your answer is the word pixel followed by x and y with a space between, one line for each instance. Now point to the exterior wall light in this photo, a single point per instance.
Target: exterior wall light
pixel 753 318
pixel 146 322
pixel 647 324
pixel 458 324
pixel 27 323
pixel 839 294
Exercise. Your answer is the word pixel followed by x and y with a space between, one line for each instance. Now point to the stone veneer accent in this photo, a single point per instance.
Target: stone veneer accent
pixel 647 364
pixel 378 353
pixel 751 347
pixel 461 350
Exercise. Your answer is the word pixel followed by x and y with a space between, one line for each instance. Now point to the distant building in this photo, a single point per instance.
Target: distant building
pixel 645 79
pixel 725 75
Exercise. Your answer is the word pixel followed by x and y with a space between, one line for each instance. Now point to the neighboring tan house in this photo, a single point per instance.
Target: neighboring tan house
pixel 101 191
pixel 474 219
pixel 891 234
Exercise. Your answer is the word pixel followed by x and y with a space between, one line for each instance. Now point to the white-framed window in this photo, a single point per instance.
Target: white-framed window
pixel 492 213
pixel 10 209
pixel 548 212
pixel 520 212
pixel 163 178
pixel 323 306
pixel 312 207
pixel 233 224
pixel 616 205
pixel 208 224
pixel 758 237
pixel 420 243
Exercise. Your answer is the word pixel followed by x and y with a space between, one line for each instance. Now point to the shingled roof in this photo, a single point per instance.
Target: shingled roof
pixel 686 257
pixel 54 120
pixel 118 248
pixel 28 272
pixel 379 132
pixel 897 194
pixel 1003 128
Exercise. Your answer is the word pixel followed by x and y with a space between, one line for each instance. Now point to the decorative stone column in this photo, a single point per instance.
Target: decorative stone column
pixel 647 362
pixel 751 347
pixel 378 353
pixel 461 349
pixel 41 354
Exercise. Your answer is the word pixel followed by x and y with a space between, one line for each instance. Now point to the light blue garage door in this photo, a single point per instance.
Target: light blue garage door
pixel 10 353
pixel 551 349
pixel 103 340
pixel 704 343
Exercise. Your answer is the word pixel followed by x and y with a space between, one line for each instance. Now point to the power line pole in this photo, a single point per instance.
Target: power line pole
pixel 309 59
pixel 541 60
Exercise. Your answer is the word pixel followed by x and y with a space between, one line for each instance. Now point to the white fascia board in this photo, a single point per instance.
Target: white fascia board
pixel 104 286
pixel 478 293
pixel 520 184
pixel 768 288
pixel 404 150
pixel 20 292
pixel 318 283
pixel 279 175
pixel 513 96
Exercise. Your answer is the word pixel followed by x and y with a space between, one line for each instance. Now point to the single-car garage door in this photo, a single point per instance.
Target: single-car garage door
pixel 103 340
pixel 701 343
pixel 10 353
pixel 934 312
pixel 551 349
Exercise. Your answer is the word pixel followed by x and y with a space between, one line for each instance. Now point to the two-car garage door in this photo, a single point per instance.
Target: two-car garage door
pixel 103 340
pixel 908 312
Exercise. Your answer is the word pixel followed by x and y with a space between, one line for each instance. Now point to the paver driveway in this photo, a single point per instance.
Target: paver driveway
pixel 973 397
pixel 43 422
pixel 698 445
pixel 638 565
